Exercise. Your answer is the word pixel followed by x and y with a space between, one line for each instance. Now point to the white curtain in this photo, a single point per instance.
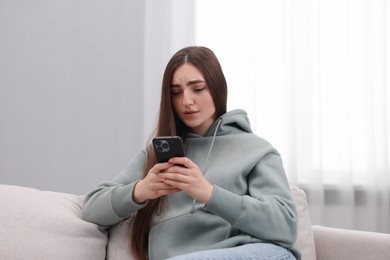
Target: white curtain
pixel 314 77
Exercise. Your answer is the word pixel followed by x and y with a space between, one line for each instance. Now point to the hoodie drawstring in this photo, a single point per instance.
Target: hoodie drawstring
pixel 207 158
pixel 202 169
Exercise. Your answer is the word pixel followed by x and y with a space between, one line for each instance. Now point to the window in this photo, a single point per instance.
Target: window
pixel 312 77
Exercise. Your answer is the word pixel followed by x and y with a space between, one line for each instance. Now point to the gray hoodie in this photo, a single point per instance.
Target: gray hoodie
pixel 250 203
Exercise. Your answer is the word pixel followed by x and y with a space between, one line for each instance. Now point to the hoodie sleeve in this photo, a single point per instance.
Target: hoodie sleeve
pixel 112 201
pixel 268 212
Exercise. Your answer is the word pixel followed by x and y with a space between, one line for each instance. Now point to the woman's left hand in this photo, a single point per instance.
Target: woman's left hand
pixel 186 176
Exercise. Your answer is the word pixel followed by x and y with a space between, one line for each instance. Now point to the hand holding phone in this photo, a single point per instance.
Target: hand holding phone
pixel 166 147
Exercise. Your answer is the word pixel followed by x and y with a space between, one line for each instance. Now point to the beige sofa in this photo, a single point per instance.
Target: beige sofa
pixel 38 224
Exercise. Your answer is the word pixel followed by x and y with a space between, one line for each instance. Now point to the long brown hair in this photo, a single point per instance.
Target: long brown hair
pixel 169 124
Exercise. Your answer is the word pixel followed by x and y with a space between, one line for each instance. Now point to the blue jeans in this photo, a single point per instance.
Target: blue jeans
pixel 255 251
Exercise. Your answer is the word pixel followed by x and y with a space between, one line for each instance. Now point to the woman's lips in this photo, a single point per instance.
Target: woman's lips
pixel 189 114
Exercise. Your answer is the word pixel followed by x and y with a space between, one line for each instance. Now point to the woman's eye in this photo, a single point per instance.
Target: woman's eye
pixel 199 89
pixel 175 93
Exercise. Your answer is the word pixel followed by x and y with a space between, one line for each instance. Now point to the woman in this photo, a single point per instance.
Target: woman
pixel 229 197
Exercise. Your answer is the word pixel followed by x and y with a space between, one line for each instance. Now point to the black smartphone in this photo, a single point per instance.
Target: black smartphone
pixel 166 147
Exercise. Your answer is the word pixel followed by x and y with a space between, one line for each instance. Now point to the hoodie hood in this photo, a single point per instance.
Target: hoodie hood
pixel 230 123
pixel 233 122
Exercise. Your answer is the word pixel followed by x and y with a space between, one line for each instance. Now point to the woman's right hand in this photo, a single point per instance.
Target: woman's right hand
pixel 153 185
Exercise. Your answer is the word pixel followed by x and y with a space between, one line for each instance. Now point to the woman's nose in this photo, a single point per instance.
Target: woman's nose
pixel 187 98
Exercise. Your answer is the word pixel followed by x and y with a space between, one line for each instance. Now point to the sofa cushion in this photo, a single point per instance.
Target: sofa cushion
pixel 46 225
pixel 118 246
pixel 305 239
pixel 337 243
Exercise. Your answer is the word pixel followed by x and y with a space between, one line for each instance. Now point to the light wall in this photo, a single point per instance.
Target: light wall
pixel 79 88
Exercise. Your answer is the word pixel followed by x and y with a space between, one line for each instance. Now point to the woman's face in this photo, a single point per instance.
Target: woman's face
pixel 191 99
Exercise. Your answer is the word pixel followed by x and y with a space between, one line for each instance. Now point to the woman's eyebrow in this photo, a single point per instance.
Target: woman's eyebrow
pixel 189 83
pixel 192 82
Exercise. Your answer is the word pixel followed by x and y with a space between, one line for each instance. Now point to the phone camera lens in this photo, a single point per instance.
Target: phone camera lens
pixel 159 149
pixel 158 143
pixel 165 145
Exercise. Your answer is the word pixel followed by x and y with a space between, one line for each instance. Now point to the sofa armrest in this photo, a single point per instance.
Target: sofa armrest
pixel 336 243
pixel 37 225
